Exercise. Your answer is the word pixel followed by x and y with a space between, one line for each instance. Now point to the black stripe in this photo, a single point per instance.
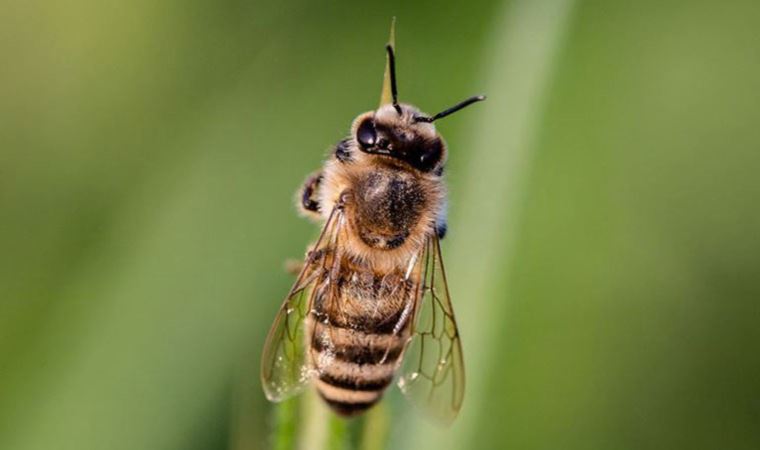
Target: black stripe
pixel 356 384
pixel 360 354
pixel 348 409
pixel 367 325
pixel 397 241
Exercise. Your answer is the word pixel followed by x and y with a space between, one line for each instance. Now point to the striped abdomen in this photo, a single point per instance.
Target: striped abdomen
pixel 357 337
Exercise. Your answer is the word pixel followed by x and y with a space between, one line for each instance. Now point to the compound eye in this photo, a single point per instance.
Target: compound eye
pixel 429 156
pixel 366 134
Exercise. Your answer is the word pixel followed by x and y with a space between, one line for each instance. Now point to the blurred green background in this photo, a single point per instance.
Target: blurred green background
pixel 604 253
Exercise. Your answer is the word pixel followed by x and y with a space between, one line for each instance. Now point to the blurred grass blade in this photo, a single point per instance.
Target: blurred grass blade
pixel 525 43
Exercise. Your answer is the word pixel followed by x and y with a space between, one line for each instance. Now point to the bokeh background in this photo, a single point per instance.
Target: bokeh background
pixel 604 252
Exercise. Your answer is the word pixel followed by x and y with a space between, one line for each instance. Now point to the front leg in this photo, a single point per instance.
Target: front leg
pixel 441 223
pixel 441 227
pixel 307 200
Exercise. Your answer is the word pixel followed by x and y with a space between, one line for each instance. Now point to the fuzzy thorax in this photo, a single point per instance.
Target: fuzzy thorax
pixel 390 212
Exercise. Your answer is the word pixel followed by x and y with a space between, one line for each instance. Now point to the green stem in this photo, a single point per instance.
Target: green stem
pixel 284 431
pixel 337 437
pixel 313 429
pixel 376 426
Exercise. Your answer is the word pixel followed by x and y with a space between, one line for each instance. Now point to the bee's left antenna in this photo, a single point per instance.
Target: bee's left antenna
pixel 392 67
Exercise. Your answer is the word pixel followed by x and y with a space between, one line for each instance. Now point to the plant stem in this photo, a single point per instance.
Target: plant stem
pixel 376 426
pixel 313 429
pixel 337 437
pixel 283 434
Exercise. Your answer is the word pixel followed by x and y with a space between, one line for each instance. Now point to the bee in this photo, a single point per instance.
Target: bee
pixel 371 301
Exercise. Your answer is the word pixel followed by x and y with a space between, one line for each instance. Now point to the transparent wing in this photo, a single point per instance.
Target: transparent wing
pixel 285 368
pixel 432 374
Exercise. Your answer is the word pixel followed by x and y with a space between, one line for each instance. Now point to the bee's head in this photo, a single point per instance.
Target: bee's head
pixel 386 132
pixel 402 132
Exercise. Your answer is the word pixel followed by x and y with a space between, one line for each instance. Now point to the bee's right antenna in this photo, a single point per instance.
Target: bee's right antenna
pixel 392 67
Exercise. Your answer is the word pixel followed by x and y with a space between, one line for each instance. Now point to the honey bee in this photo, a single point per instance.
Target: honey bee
pixel 371 300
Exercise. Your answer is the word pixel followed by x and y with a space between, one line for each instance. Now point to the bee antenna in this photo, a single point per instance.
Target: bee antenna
pixel 452 110
pixel 392 66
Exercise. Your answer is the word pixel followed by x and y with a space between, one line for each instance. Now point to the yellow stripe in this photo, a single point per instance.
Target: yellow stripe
pixel 345 395
pixel 324 362
pixel 336 337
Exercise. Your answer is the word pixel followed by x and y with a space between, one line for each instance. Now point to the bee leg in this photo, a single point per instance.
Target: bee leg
pixel 307 200
pixel 441 227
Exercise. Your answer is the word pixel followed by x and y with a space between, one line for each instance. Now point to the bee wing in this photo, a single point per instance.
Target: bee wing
pixel 285 367
pixel 432 373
